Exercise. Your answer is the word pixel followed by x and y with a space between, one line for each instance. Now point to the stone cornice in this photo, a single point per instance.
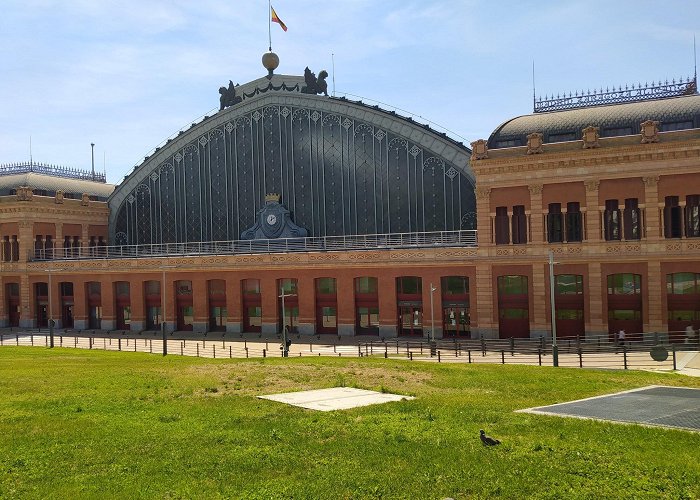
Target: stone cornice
pixel 592 158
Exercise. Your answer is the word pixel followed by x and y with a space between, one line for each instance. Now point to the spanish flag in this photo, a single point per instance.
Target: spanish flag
pixel 276 19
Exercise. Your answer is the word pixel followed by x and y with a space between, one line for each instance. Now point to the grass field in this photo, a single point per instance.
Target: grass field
pixel 90 424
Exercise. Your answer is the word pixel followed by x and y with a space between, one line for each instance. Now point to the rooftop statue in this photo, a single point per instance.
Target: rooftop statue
pixel 315 85
pixel 228 96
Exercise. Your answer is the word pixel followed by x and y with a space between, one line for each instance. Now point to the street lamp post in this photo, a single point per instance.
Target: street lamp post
pixel 432 322
pixel 555 348
pixel 51 323
pixel 162 311
pixel 285 334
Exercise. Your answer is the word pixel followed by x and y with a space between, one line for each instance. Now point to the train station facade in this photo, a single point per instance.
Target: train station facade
pixel 329 216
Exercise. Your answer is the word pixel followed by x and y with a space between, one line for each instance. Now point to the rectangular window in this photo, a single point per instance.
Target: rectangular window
pixel 519 225
pixel 576 314
pixel 455 285
pixel 574 226
pixel 625 314
pixel 611 217
pixel 368 317
pixel 512 285
pixel 615 132
pixel 692 216
pixel 683 283
pixel 513 313
pixel 568 284
pixel 562 137
pixel 502 226
pixel 631 219
pixel 555 233
pixel 408 285
pixel 328 317
pixel 325 286
pixel 255 316
pixel 673 227
pixel 670 126
pixel 251 287
pixel 366 285
pixel 624 284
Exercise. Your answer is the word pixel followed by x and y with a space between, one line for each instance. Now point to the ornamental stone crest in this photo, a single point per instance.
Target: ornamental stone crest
pixel 534 143
pixel 24 193
pixel 59 196
pixel 85 200
pixel 480 150
pixel 650 131
pixel 590 137
pixel 482 193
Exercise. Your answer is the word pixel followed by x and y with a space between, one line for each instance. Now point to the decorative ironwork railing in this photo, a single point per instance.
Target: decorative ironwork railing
pixel 54 170
pixel 657 90
pixel 282 245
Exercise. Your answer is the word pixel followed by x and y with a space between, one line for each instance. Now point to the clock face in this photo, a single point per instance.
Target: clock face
pixel 271 219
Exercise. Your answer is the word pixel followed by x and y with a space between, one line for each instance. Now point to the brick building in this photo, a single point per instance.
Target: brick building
pixel 364 221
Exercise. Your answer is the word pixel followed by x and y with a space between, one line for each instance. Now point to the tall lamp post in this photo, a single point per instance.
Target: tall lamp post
pixel 162 311
pixel 285 335
pixel 555 348
pixel 432 322
pixel 51 323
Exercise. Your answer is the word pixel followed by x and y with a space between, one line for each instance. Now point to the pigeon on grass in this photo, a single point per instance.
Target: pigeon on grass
pixel 486 440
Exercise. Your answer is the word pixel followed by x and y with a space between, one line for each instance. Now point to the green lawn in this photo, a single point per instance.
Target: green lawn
pixel 92 424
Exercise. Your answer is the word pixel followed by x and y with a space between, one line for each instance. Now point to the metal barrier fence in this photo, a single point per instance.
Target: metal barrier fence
pixel 653 351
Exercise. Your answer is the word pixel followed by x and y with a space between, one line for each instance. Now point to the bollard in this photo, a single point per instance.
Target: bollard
pixel 75 342
pixel 46 341
pixel 539 355
pixel 397 347
pixel 421 348
pixel 197 349
pixel 512 346
pixel 334 348
pixel 311 347
pixel 580 358
pixel 410 355
pixel 17 338
pixel 246 352
pixel 366 353
pixel 182 348
pixel 229 352
pixel 359 351
pixel 503 357
pixel 134 345
pixel 1 339
pixel 386 354
pixel 245 343
pixel 104 344
pixel 264 353
pixel 624 355
pixel 483 346
pixel 214 350
pixel 266 347
pixel 673 350
pixel 438 353
pixel 119 343
pixel 150 346
pixel 31 338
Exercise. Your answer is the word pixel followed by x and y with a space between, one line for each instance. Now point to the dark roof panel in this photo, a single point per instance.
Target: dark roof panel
pixel 617 119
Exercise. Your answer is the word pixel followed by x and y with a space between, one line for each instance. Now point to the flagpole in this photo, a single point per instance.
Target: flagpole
pixel 269 22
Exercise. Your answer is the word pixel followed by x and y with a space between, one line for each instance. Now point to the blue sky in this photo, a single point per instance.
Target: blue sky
pixel 127 74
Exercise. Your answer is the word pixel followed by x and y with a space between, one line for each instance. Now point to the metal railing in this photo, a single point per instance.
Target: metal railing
pixel 54 170
pixel 574 352
pixel 281 245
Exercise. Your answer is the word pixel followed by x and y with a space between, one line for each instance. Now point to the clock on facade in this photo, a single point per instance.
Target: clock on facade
pixel 271 219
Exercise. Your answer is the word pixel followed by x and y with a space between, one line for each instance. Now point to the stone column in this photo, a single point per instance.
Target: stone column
pixel 652 222
pixel 27 318
pixel 483 310
pixel 483 211
pixel 593 213
pixel 536 225
pixel 388 307
pixel 540 323
pixel 26 240
pixel 107 302
pixel 597 324
pixel 345 296
pixel 84 239
pixel 306 290
pixel 4 313
pixel 234 303
pixel 269 302
pixel 200 304
pixel 138 306
pixel 654 297
pixel 80 316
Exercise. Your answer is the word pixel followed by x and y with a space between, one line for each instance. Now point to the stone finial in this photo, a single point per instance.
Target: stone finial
pixel 590 137
pixel 59 197
pixel 85 200
pixel 650 131
pixel 480 150
pixel 534 143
